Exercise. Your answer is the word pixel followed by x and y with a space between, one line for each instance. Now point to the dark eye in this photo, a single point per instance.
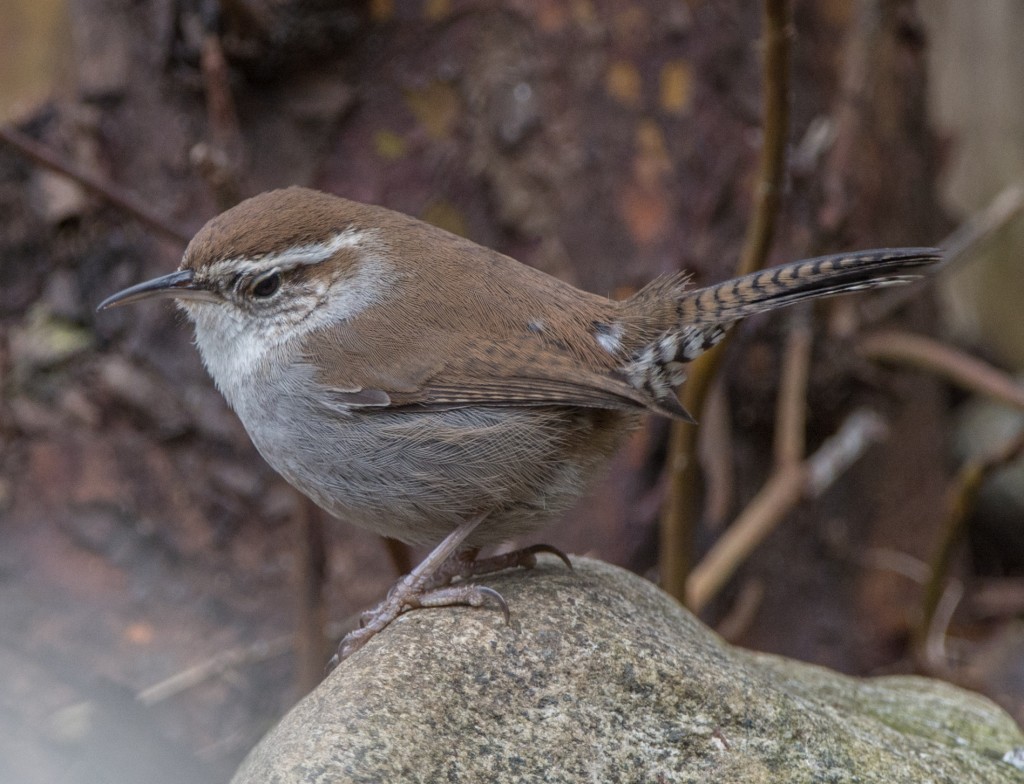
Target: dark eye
pixel 267 285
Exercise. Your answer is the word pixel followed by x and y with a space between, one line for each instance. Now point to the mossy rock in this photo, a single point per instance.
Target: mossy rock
pixel 601 677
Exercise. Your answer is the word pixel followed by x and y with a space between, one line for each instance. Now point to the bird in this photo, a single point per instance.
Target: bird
pixel 429 389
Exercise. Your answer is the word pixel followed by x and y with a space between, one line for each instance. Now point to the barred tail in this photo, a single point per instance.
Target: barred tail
pixel 785 285
pixel 701 317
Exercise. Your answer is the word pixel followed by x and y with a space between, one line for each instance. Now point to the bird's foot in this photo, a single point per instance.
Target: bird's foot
pixel 429 585
pixel 407 595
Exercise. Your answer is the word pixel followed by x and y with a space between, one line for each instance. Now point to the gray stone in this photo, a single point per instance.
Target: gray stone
pixel 603 678
pixel 982 428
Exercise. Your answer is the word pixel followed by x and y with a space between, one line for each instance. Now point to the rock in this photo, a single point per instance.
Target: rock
pixel 983 428
pixel 601 677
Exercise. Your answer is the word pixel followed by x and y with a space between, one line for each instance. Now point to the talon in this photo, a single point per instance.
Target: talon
pixel 365 617
pixel 430 585
pixel 349 644
pixel 550 550
pixel 499 600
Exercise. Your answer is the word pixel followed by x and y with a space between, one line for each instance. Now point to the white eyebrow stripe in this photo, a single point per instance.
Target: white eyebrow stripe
pixel 290 258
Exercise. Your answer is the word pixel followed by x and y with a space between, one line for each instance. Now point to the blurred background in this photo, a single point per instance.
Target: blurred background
pixel 163 592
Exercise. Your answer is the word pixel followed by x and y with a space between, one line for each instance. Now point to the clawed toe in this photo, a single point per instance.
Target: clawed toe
pixel 531 553
pixel 407 597
pixel 462 594
pixel 429 585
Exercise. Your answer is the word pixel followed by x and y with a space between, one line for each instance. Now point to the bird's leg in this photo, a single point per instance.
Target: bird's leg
pixel 422 587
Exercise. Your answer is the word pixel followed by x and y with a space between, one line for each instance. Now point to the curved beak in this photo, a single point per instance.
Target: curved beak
pixel 179 285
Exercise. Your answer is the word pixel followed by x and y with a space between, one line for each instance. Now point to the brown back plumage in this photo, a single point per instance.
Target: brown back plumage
pixel 451 324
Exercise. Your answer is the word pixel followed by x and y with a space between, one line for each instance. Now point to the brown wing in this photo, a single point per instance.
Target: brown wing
pixel 369 368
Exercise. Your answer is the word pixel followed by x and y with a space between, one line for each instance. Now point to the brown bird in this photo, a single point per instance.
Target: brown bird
pixel 432 390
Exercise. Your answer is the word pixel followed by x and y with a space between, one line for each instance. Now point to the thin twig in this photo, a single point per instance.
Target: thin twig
pixel 214 666
pixel 943 360
pixel 849 116
pixel 934 652
pixel 998 597
pixel 219 160
pixel 961 244
pixel 310 643
pixel 231 659
pixel 783 490
pixel 776 497
pixel 791 409
pixel 963 496
pixel 837 453
pixel 896 561
pixel 220 103
pixel 114 194
pixel 744 609
pixel 959 247
pixel 679 516
pixel 682 502
pixel 715 452
pixel 775 40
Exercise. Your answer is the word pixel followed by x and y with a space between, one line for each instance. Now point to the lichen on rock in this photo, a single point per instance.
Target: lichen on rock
pixel 602 677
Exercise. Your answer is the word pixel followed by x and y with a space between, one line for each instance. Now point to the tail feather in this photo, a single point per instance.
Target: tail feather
pixel 778 287
pixel 702 317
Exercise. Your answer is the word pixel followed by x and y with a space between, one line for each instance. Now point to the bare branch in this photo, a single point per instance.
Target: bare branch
pixel 777 496
pixel 960 247
pixel 214 666
pixel 311 577
pixel 849 116
pixel 791 409
pixel 119 197
pixel 963 496
pixel 1007 205
pixel 680 513
pixel 924 353
pixel 860 430
pixel 775 40
pixel 716 455
pixel 783 490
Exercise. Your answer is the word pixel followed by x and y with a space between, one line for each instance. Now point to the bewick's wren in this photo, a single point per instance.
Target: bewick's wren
pixel 426 388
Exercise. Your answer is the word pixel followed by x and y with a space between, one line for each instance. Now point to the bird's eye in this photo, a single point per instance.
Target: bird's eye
pixel 267 285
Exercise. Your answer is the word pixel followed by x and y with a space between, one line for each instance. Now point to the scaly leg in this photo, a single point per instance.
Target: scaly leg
pixel 420 588
pixel 428 585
